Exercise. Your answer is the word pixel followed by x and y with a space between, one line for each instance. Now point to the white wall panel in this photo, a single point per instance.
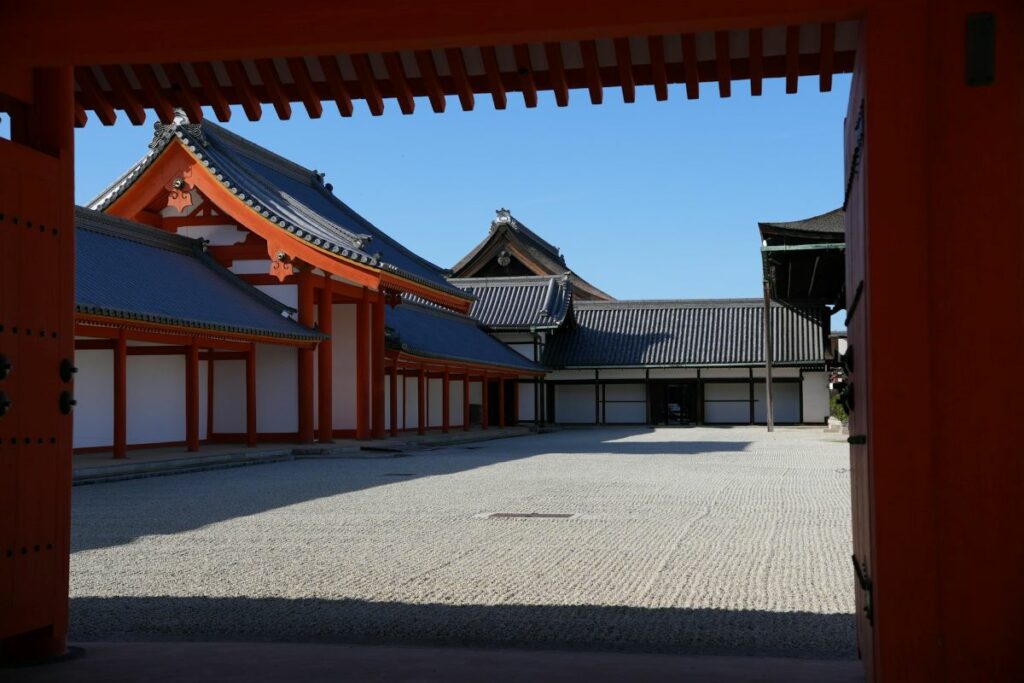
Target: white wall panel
pixel 727 403
pixel 777 373
pixel 156 398
pixel 625 392
pixel 724 373
pixel 622 373
pixel 277 389
pixel 455 403
pixel 435 402
pixel 575 404
pixel 785 400
pixel 343 366
pixel 625 413
pixel 526 401
pixel 816 399
pixel 94 390
pixel 673 373
pixel 229 396
pixel 412 395
pixel 571 374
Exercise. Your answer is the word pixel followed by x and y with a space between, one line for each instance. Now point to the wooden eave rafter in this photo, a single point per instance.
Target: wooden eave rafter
pixel 108 327
pixel 410 361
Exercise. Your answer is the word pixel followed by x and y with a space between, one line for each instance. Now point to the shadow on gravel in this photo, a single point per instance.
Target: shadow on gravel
pixel 116 513
pixel 584 627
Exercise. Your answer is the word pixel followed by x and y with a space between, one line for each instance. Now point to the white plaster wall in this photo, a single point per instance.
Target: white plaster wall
pixel 476 392
pixel 286 294
pixel 412 401
pixel 721 373
pixel 777 372
pixel 156 398
pixel 277 389
pixel 343 368
pixel 625 403
pixel 525 350
pixel 251 267
pixel 571 374
pixel 673 373
pixel 622 373
pixel 94 390
pixel 575 404
pixel 816 404
pixel 455 402
pixel 785 402
pixel 435 401
pixel 229 396
pixel 527 413
pixel 737 411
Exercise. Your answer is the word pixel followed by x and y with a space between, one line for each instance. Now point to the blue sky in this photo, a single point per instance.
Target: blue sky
pixel 646 200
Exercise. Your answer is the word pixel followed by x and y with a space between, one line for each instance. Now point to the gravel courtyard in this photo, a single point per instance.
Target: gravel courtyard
pixel 706 541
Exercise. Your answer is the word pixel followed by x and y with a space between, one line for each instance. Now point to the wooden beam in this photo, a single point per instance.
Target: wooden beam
pixel 244 91
pixel 250 396
pixel 183 90
pixel 624 59
pixel 556 73
pixel 659 74
pixel 524 68
pixel 396 74
pixel 80 117
pixel 307 315
pixel 211 88
pixel 431 82
pixel 95 344
pixel 192 397
pixel 125 94
pixel 95 96
pixel 493 72
pixel 121 396
pixel 756 60
pixel 157 100
pixel 792 58
pixel 457 67
pixel 827 56
pixel 304 85
pixel 336 84
pixel 272 86
pixel 325 369
pixel 592 70
pixel 690 66
pixel 368 84
pixel 723 63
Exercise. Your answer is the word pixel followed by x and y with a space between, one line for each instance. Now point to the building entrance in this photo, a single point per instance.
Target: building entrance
pixel 675 403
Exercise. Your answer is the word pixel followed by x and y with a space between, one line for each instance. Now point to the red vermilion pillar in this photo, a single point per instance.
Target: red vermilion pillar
pixel 362 367
pixel 192 397
pixel 483 402
pixel 394 400
pixel 515 402
pixel 465 403
pixel 121 395
pixel 501 402
pixel 250 395
pixel 325 365
pixel 421 403
pixel 306 317
pixel 445 398
pixel 377 366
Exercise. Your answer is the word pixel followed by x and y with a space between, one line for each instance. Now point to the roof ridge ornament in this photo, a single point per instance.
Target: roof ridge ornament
pixel 504 217
pixel 162 132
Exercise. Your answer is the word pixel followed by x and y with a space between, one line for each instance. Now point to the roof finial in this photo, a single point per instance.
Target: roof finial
pixel 504 217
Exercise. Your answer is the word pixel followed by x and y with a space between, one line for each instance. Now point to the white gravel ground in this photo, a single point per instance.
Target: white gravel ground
pixel 710 541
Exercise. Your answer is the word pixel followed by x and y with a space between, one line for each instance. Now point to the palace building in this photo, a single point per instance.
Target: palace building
pixel 225 295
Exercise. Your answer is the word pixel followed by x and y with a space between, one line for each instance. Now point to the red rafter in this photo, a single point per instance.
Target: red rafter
pixel 756 60
pixel 722 63
pixel 304 84
pixel 624 57
pixel 490 58
pixel 179 82
pixel 80 117
pixel 428 72
pixel 659 76
pixel 90 87
pixel 125 94
pixel 151 86
pixel 690 66
pixel 211 87
pixel 244 91
pixel 396 73
pixel 336 84
pixel 272 84
pixel 828 48
pixel 792 58
pixel 556 73
pixel 588 50
pixel 525 69
pixel 368 84
pixel 457 67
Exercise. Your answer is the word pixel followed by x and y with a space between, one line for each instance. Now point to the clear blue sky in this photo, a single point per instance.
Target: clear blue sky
pixel 646 200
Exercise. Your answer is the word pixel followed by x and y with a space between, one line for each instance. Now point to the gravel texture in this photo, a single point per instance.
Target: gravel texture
pixel 700 540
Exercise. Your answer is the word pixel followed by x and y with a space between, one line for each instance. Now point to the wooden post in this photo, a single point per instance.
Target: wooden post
pixel 121 395
pixel 445 399
pixel 306 317
pixel 501 402
pixel 421 402
pixel 767 326
pixel 483 401
pixel 250 396
pixel 192 397
pixel 377 366
pixel 362 367
pixel 465 403
pixel 394 399
pixel 515 402
pixel 325 365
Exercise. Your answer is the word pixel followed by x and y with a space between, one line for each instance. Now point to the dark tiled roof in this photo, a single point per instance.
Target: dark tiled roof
pixel 519 302
pixel 687 333
pixel 432 333
pixel 290 196
pixel 831 224
pixel 135 272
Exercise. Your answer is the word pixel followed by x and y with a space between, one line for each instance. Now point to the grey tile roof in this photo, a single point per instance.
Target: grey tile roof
pixel 433 333
pixel 288 195
pixel 519 303
pixel 705 333
pixel 831 224
pixel 134 272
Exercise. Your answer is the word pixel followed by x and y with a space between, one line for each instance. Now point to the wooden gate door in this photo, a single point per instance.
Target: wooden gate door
pixel 856 362
pixel 36 347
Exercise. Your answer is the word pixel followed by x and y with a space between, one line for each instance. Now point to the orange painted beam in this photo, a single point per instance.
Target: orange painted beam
pixel 368 84
pixel 94 96
pixel 362 367
pixel 756 41
pixel 493 72
pixel 243 90
pixel 272 85
pixel 154 93
pixel 556 73
pixel 183 91
pixel 336 84
pixel 250 396
pixel 431 82
pixel 212 89
pixel 588 50
pixel 723 63
pixel 827 56
pixel 396 75
pixel 192 398
pixel 125 94
pixel 624 60
pixel 659 75
pixel 377 366
pixel 307 314
pixel 107 328
pixel 457 67
pixel 121 396
pixel 524 67
pixel 304 85
pixel 325 368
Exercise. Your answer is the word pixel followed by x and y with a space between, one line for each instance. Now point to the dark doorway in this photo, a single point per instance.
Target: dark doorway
pixel 675 403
